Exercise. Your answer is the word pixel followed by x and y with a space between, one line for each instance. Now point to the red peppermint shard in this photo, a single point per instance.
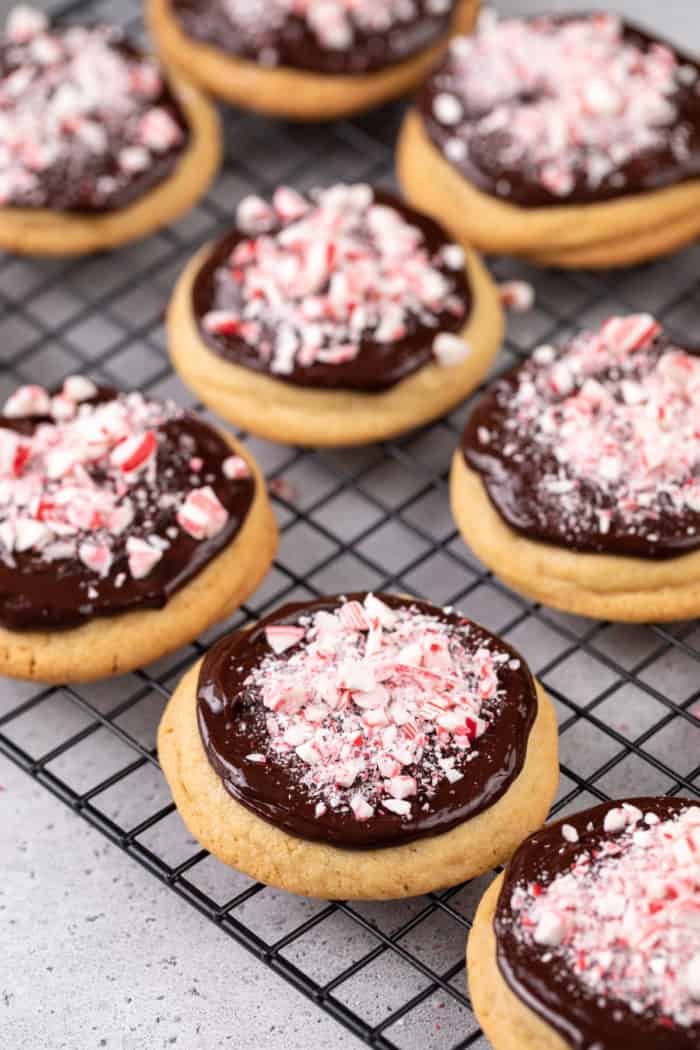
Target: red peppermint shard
pixel 202 515
pixel 630 333
pixel 282 637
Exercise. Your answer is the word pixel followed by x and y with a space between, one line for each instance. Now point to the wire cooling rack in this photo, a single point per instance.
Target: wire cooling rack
pixel 378 517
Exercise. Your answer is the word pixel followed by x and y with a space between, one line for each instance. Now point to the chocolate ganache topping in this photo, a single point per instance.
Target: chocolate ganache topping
pixel 108 503
pixel 319 36
pixel 87 122
pixel 597 926
pixel 596 447
pixel 599 109
pixel 345 288
pixel 365 721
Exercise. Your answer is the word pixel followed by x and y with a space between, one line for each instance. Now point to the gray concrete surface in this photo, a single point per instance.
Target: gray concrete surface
pixel 97 954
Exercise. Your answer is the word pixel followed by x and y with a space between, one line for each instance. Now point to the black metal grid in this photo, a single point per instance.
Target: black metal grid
pixel 377 517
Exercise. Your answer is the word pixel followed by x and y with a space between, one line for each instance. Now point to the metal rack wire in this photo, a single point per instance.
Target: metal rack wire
pixel 377 517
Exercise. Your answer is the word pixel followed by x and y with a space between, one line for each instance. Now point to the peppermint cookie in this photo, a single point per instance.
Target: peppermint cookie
pixel 127 527
pixel 587 154
pixel 307 59
pixel 578 479
pixel 362 746
pixel 591 937
pixel 97 147
pixel 334 318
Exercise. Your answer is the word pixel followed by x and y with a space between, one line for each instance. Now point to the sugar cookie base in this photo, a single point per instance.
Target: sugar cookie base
pixel 297 415
pixel 111 645
pixel 614 233
pixel 602 586
pixel 286 92
pixel 264 852
pixel 505 1019
pixel 40 231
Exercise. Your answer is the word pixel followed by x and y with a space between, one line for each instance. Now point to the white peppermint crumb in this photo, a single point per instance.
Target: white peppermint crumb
pixel 615 821
pixel 447 109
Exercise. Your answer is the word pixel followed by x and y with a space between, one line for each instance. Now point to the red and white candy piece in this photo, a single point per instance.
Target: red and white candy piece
pixel 96 556
pixel 79 389
pixel 450 350
pixel 517 295
pixel 283 637
pixel 28 401
pixel 143 557
pixel 630 333
pixel 158 131
pixel 24 23
pixel 136 452
pixel 202 515
pixel 235 468
pixel 254 215
pixel 550 929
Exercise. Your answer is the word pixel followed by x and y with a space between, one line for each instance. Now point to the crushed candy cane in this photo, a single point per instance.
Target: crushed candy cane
pixel 335 24
pixel 617 412
pixel 624 918
pixel 518 296
pixel 87 484
pixel 316 276
pixel 590 99
pixel 79 110
pixel 377 705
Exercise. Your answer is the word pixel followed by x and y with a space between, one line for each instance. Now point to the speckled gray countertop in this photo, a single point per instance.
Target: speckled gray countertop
pixel 95 952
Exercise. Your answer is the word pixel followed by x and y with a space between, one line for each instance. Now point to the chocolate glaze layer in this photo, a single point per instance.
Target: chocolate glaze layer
pixel 294 45
pixel 40 595
pixel 378 366
pixel 70 183
pixel 511 484
pixel 653 169
pixel 232 725
pixel 548 987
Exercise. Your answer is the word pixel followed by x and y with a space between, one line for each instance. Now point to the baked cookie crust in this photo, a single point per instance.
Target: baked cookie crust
pixel 506 1020
pixel 278 411
pixel 264 852
pixel 108 646
pixel 613 233
pixel 287 92
pixel 41 231
pixel 602 586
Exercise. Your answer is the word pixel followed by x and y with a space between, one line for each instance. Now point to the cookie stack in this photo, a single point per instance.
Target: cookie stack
pixel 375 745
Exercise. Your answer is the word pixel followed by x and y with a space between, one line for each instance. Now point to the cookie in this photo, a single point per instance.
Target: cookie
pixel 338 317
pixel 307 61
pixel 586 155
pixel 362 746
pixel 578 477
pixel 590 938
pixel 100 147
pixel 127 527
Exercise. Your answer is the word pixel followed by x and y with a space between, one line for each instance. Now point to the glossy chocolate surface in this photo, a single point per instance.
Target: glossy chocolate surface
pixel 81 180
pixel 288 41
pixel 652 169
pixel 512 466
pixel 36 594
pixel 232 725
pixel 548 987
pixel 378 366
